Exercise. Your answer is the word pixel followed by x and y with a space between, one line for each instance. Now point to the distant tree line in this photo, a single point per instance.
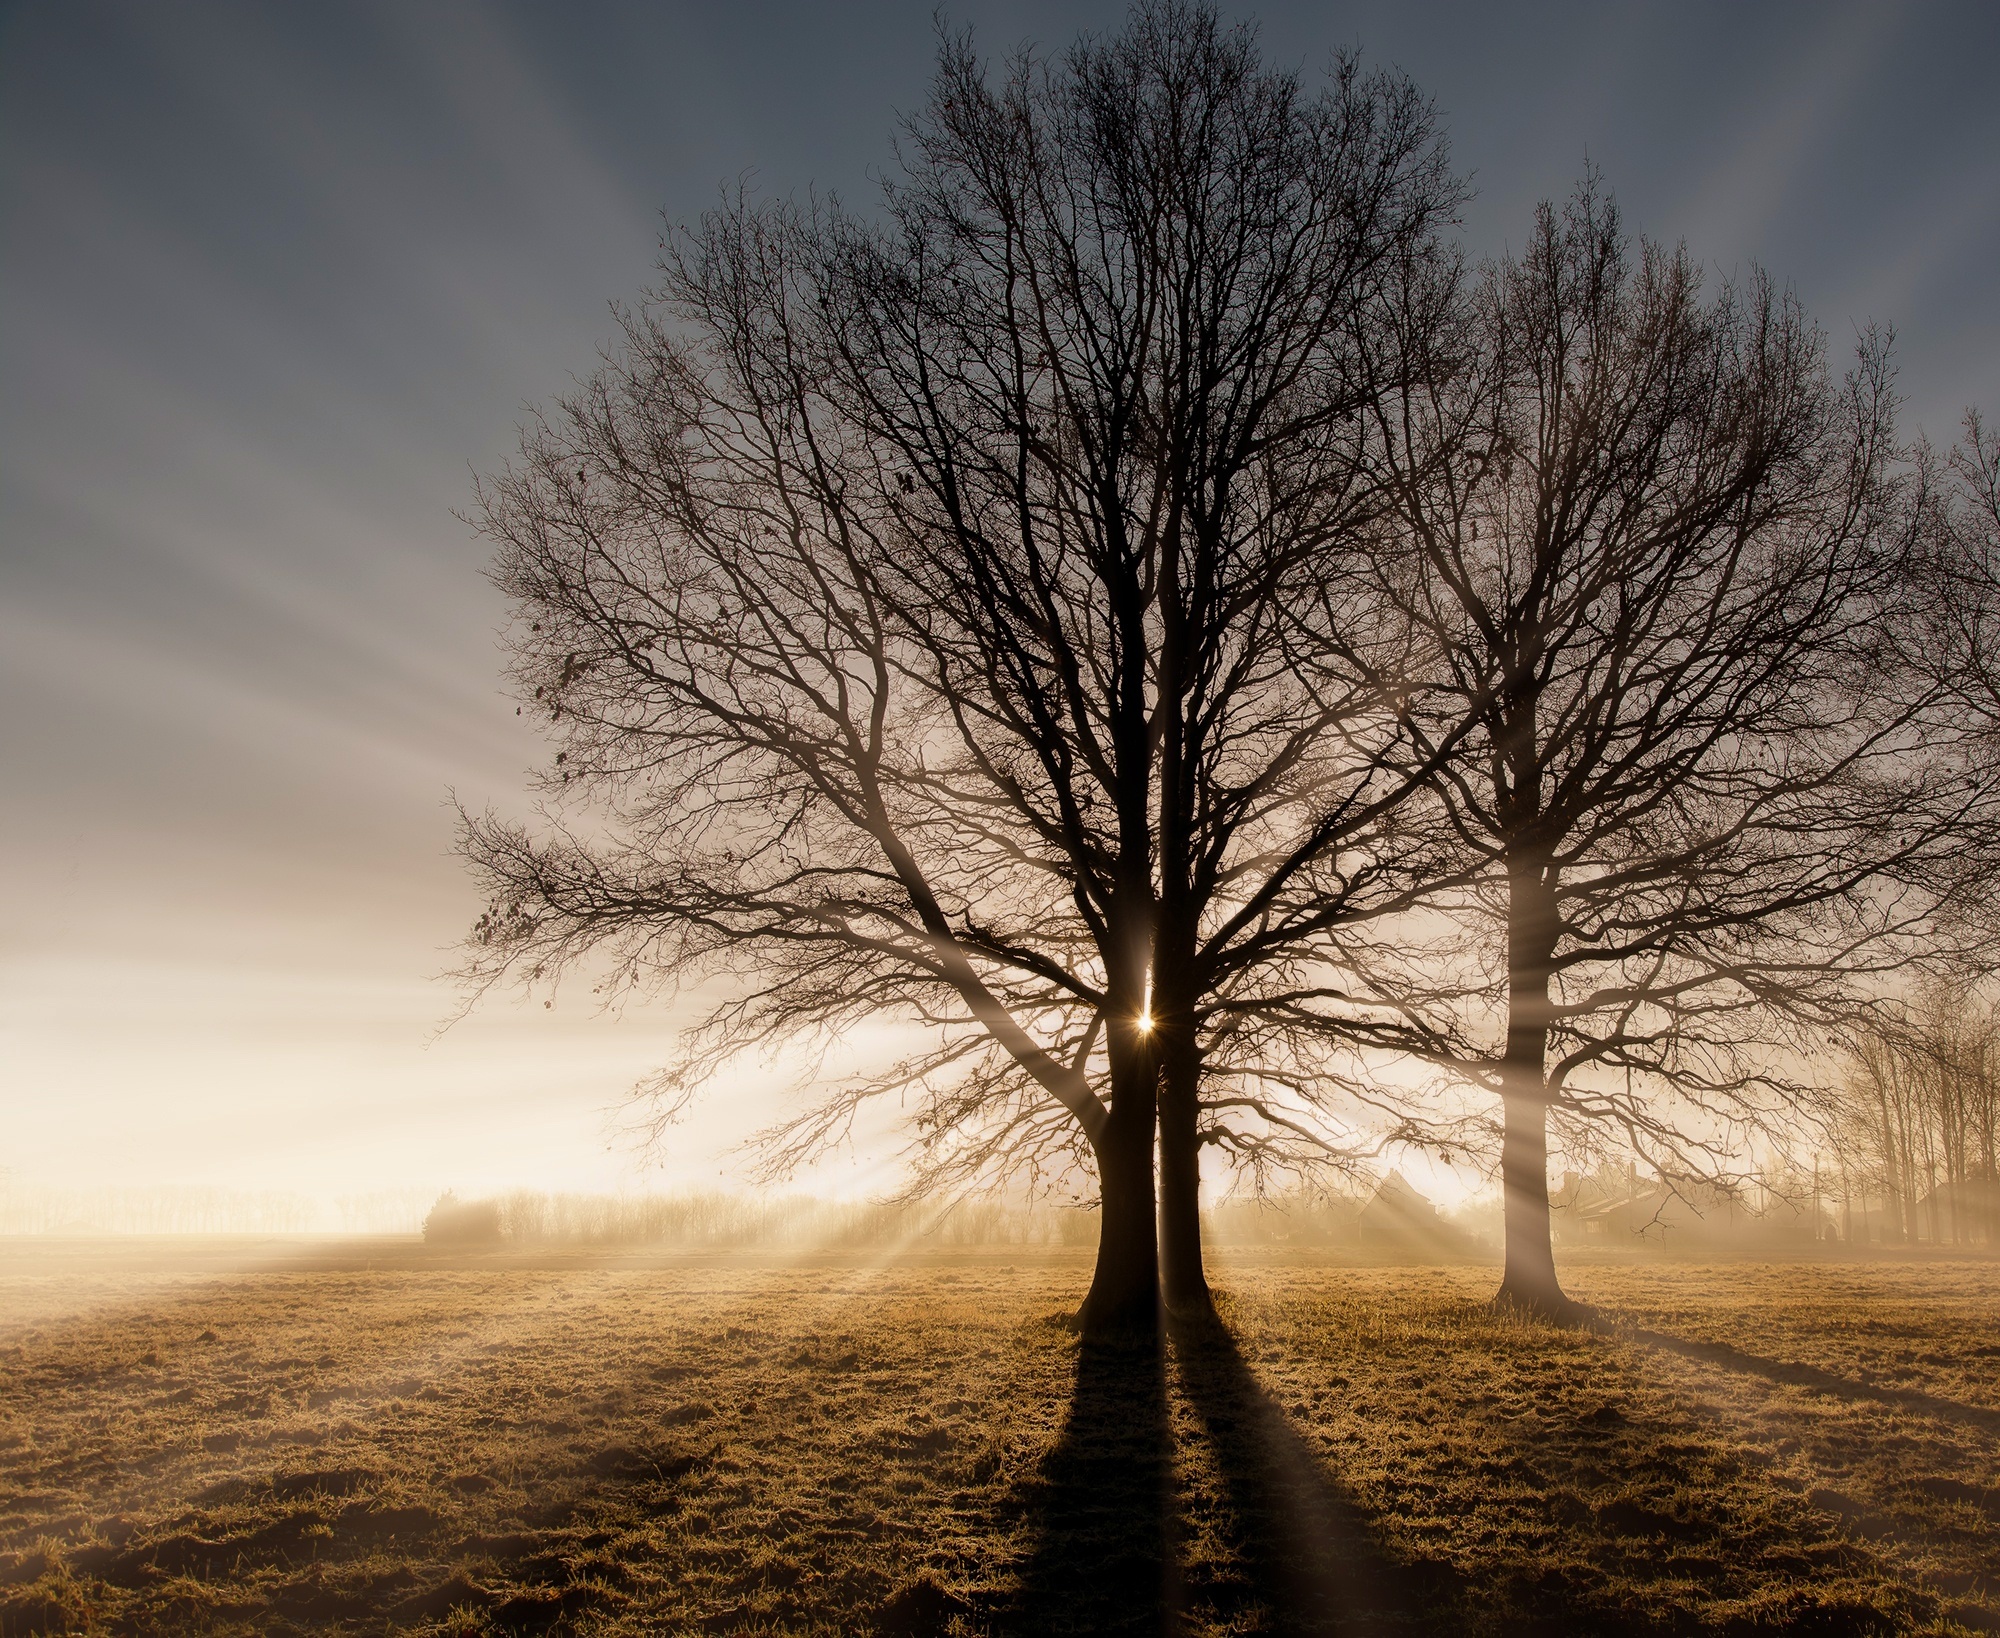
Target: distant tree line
pixel 528 1219
pixel 1142 613
pixel 1916 1143
pixel 185 1209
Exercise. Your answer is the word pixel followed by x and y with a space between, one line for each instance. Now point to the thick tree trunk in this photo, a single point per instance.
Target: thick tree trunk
pixel 1182 1278
pixel 1124 1296
pixel 1530 1277
pixel 1529 1280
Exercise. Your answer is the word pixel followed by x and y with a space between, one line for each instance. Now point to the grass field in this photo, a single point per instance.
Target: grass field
pixel 384 1441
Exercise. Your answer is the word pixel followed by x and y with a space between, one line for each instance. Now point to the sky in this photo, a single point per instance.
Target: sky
pixel 276 280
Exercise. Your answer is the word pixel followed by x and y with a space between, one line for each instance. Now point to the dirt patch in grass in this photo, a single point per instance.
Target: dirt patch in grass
pixel 576 1445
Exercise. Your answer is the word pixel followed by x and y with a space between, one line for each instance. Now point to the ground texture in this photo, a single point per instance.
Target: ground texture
pixel 377 1441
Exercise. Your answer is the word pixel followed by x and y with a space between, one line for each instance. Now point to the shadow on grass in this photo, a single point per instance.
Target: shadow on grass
pixel 1731 1358
pixel 1313 1565
pixel 1102 1505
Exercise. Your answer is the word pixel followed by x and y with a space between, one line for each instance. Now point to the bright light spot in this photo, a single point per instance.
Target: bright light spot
pixel 1145 1022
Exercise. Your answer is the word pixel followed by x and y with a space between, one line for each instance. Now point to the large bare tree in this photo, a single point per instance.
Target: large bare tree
pixel 1669 562
pixel 967 615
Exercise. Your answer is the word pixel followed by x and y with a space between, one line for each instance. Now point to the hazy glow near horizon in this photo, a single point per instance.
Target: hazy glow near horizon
pixel 275 276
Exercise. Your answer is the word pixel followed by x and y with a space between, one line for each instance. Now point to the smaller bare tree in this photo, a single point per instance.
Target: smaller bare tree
pixel 1671 566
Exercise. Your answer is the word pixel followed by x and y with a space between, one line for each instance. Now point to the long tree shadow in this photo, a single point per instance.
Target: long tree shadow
pixel 1311 1560
pixel 1731 1358
pixel 1104 1559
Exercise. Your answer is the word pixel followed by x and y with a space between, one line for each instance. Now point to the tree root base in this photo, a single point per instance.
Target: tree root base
pixel 1541 1303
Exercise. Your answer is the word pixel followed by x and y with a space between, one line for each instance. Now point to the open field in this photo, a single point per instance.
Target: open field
pixel 369 1440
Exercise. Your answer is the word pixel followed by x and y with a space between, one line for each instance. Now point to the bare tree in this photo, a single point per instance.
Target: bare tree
pixel 966 616
pixel 1669 562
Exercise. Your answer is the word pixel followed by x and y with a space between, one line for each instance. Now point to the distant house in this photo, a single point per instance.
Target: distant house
pixel 1665 1213
pixel 1964 1213
pixel 1614 1206
pixel 1584 1197
pixel 1398 1218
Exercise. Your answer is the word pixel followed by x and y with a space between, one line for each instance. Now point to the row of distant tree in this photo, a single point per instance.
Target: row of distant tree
pixel 200 1209
pixel 1917 1135
pixel 1222 674
pixel 527 1219
pixel 1614 1208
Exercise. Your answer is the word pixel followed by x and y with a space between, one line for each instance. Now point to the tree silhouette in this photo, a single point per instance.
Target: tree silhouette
pixel 1674 571
pixel 970 616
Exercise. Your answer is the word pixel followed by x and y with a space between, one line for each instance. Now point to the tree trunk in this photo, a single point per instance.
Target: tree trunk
pixel 1182 1278
pixel 1529 1280
pixel 1987 1124
pixel 1530 1277
pixel 1892 1212
pixel 1124 1297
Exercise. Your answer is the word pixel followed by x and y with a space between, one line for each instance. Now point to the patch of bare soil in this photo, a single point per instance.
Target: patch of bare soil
pixel 389 1442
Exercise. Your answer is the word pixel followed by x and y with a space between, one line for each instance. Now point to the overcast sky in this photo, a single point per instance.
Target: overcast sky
pixel 276 278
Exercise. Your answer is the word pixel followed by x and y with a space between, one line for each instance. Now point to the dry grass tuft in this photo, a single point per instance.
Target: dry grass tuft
pixel 407 1443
